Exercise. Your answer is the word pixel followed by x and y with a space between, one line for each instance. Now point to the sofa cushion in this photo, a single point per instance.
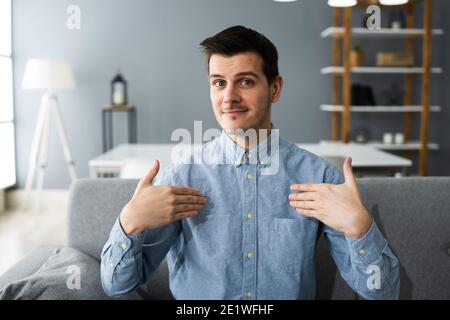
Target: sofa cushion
pixel 413 215
pixel 94 205
pixel 158 287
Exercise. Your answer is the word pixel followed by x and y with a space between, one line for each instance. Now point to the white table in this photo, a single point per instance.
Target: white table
pixel 109 163
pixel 365 158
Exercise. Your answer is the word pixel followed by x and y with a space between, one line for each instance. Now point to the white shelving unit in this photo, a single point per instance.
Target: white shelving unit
pixel 379 70
pixel 341 33
pixel 382 33
pixel 410 146
pixel 398 109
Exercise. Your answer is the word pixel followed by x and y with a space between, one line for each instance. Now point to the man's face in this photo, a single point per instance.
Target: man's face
pixel 240 93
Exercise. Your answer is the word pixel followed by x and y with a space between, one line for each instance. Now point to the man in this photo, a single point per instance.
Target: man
pixel 241 230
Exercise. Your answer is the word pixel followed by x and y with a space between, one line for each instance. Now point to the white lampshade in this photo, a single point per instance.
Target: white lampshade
pixel 393 2
pixel 342 3
pixel 42 74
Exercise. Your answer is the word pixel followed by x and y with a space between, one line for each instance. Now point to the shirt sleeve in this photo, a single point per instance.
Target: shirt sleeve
pixel 128 261
pixel 367 264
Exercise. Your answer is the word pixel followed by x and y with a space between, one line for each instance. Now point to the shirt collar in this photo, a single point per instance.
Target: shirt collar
pixel 260 154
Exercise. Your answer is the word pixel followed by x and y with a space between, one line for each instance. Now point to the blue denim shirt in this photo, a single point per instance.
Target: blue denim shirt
pixel 247 242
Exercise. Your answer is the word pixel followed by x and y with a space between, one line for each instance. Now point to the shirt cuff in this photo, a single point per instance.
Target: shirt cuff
pixel 124 243
pixel 369 248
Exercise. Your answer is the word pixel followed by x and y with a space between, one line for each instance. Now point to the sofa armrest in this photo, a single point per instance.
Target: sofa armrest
pixel 28 265
pixel 42 275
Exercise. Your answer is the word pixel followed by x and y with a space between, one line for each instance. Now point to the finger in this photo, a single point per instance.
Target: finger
pixel 348 172
pixel 303 204
pixel 186 191
pixel 311 187
pixel 151 174
pixel 187 207
pixel 190 199
pixel 186 214
pixel 349 176
pixel 308 213
pixel 306 196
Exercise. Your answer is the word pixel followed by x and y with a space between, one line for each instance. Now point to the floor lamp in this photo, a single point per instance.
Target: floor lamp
pixel 50 76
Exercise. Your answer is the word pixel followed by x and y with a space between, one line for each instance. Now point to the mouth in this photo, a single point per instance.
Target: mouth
pixel 235 112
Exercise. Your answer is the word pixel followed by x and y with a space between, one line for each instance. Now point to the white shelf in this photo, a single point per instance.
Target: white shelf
pixel 410 146
pixel 379 70
pixel 340 108
pixel 364 32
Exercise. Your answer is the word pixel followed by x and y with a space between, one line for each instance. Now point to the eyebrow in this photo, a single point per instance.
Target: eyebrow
pixel 240 74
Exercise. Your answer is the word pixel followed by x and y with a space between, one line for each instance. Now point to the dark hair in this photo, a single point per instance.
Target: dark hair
pixel 239 39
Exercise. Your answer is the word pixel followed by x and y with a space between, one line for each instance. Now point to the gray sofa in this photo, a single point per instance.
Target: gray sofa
pixel 412 213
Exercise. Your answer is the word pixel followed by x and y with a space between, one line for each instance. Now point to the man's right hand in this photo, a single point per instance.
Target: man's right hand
pixel 155 206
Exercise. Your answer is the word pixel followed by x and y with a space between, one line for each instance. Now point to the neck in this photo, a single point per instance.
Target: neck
pixel 246 141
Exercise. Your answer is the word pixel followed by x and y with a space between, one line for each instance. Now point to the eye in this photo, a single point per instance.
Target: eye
pixel 247 82
pixel 219 83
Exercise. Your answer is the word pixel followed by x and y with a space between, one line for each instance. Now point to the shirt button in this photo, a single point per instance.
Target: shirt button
pixel 249 215
pixel 249 254
pixel 123 245
pixel 362 251
pixel 111 264
pixel 248 176
pixel 249 294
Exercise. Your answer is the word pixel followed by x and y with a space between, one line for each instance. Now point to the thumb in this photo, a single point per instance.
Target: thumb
pixel 348 172
pixel 151 174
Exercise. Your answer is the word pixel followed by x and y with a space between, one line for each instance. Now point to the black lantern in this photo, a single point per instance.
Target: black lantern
pixel 118 90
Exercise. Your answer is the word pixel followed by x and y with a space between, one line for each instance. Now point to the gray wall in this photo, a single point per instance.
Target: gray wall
pixel 155 44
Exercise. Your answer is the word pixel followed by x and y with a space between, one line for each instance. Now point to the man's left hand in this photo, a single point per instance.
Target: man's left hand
pixel 338 206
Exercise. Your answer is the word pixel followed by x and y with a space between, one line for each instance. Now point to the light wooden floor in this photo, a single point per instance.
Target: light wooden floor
pixel 19 233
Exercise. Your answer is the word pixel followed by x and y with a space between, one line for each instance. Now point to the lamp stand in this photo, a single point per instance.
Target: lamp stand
pixel 38 154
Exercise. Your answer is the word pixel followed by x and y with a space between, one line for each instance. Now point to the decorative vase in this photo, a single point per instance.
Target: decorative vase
pixel 356 58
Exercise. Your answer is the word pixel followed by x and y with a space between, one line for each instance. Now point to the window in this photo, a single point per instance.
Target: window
pixel 7 145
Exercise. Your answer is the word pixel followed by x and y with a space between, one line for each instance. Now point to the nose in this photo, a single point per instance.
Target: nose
pixel 231 95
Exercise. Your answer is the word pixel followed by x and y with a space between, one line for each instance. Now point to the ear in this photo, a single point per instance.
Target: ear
pixel 276 88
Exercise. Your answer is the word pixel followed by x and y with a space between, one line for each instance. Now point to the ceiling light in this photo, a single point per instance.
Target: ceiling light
pixel 342 3
pixel 393 2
